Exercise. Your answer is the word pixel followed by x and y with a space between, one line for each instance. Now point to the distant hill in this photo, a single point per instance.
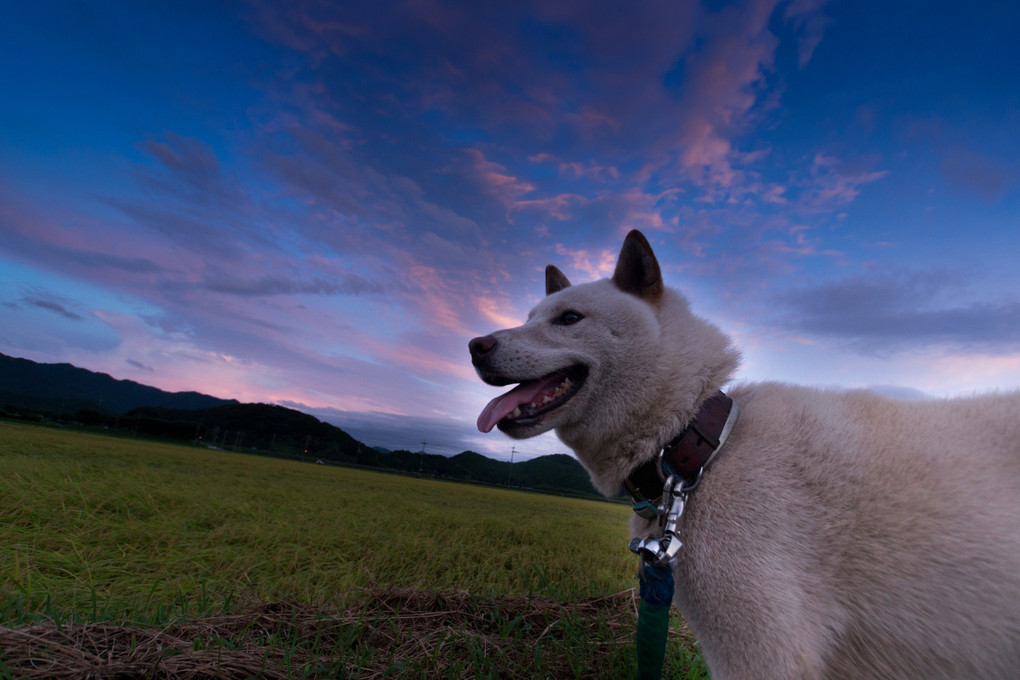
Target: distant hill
pixel 66 388
pixel 65 392
pixel 556 473
pixel 262 428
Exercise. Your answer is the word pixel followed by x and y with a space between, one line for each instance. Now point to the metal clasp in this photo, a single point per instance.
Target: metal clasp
pixel 663 549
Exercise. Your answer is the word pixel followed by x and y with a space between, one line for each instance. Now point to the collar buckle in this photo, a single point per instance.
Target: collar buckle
pixel 686 456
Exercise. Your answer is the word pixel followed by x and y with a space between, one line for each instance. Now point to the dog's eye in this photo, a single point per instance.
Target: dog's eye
pixel 569 317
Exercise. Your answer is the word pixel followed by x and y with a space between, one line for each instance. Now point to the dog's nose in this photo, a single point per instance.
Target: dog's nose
pixel 479 347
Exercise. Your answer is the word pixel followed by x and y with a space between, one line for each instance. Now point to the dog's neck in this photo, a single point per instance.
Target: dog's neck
pixel 691 361
pixel 687 454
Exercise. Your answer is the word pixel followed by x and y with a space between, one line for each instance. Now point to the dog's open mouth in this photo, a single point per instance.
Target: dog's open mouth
pixel 529 401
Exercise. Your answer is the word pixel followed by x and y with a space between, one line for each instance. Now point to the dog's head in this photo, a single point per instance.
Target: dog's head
pixel 582 355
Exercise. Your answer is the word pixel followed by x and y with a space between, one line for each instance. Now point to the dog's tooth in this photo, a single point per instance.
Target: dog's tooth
pixel 516 413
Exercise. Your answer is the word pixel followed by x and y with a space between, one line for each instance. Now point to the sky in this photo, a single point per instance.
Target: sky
pixel 318 204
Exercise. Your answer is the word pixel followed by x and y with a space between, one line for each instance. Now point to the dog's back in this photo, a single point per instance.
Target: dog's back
pixel 858 537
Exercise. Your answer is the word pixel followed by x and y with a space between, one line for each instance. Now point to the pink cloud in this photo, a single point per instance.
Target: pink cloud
pixel 309 27
pixel 596 264
pixel 578 170
pixel 720 94
pixel 498 312
pixel 833 183
pixel 478 73
pixel 802 245
pixel 555 207
pixel 590 122
pixel 774 194
pixel 495 178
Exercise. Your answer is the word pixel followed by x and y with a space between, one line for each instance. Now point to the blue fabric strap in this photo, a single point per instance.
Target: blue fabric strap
pixel 657 584
pixel 653 619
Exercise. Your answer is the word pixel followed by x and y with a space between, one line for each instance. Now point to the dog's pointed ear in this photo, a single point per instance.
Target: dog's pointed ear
pixel 555 281
pixel 637 270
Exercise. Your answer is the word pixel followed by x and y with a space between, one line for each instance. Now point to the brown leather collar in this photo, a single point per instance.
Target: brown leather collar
pixel 687 453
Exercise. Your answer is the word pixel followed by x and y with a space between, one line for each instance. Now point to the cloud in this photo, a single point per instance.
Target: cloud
pixel 968 162
pixel 590 170
pixel 675 83
pixel 548 121
pixel 349 284
pixel 810 23
pixel 71 241
pixel 597 265
pixel 495 179
pixel 187 155
pixel 188 168
pixel 51 305
pixel 834 183
pixel 102 260
pixel 392 431
pixel 388 180
pixel 559 208
pixel 138 364
pixel 984 176
pixel 889 313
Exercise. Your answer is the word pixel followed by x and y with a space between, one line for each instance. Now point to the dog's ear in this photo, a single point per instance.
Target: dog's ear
pixel 555 281
pixel 637 270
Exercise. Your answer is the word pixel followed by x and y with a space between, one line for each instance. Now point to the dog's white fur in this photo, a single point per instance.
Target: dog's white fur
pixel 837 534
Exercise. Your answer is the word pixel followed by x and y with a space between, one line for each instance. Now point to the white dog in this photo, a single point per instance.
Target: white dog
pixel 835 535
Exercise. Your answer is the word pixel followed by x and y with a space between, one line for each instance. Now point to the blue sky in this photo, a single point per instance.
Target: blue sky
pixel 318 204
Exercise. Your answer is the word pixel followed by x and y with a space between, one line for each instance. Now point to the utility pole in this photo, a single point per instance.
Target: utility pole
pixel 421 458
pixel 510 472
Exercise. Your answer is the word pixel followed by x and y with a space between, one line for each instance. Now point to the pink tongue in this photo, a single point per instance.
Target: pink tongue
pixel 525 393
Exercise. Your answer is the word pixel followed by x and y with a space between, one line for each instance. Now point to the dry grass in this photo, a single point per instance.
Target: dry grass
pixel 401 633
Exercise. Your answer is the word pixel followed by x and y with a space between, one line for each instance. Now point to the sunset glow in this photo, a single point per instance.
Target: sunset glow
pixel 318 204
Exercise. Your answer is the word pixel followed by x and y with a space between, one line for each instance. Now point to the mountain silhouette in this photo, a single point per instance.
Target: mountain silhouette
pixel 67 393
pixel 66 388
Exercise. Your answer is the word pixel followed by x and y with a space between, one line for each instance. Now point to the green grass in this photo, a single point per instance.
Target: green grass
pixel 95 528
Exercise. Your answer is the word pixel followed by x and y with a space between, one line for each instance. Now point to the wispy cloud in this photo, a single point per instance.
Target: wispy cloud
pixel 139 365
pixel 52 306
pixel 987 177
pixel 809 22
pixel 887 313
pixel 343 284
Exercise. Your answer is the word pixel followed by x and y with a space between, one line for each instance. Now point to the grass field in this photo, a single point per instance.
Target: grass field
pixel 94 528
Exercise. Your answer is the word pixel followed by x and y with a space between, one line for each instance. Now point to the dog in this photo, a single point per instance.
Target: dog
pixel 836 534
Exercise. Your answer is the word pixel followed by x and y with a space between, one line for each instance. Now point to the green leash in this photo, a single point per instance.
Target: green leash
pixel 653 618
pixel 655 572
